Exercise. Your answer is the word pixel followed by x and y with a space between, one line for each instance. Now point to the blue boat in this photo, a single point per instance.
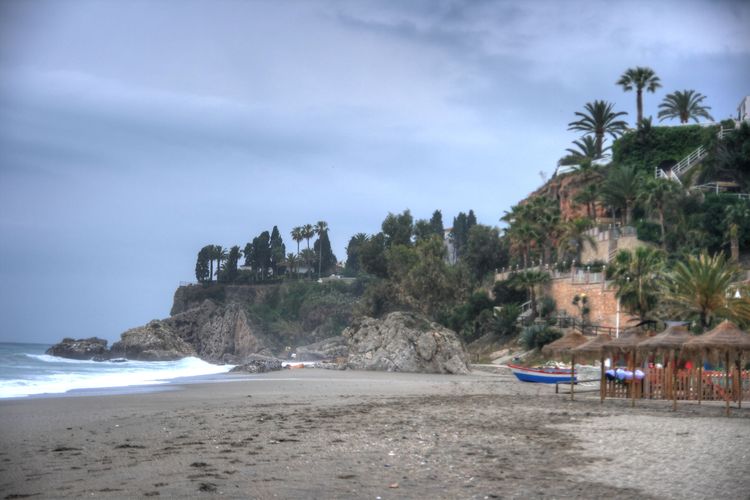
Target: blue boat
pixel 541 375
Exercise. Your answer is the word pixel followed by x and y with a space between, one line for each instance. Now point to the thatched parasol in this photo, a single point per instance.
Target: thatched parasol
pixel 669 341
pixel 564 345
pixel 626 344
pixel 592 348
pixel 594 345
pixel 727 337
pixel 724 339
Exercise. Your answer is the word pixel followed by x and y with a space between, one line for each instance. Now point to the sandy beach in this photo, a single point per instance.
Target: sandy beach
pixel 344 434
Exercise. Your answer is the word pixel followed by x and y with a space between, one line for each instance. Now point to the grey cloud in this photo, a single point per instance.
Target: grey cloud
pixel 133 133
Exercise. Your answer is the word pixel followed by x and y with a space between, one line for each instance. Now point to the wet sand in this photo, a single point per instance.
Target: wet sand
pixel 329 434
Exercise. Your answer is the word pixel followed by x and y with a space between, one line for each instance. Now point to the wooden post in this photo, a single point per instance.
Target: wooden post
pixel 602 382
pixel 674 381
pixel 572 374
pixel 700 382
pixel 633 380
pixel 739 379
pixel 726 386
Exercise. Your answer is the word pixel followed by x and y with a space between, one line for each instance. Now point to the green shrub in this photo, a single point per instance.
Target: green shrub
pixel 659 144
pixel 537 336
pixel 506 320
pixel 547 306
pixel 504 293
pixel 648 231
pixel 595 266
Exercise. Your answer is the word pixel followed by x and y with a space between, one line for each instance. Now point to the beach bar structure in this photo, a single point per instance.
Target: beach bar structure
pixel 662 383
pixel 564 347
pixel 728 344
pixel 593 349
pixel 682 376
pixel 626 345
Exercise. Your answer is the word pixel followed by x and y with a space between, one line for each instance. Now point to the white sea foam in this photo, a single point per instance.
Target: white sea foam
pixel 44 374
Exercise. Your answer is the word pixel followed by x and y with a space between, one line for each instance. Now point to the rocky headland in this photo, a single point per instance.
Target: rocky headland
pixel 252 326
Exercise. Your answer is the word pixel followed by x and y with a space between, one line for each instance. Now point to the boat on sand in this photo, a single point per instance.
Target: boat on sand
pixel 543 375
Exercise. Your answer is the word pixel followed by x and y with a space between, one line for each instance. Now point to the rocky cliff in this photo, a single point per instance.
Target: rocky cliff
pixel 221 332
pixel 245 325
pixel 563 189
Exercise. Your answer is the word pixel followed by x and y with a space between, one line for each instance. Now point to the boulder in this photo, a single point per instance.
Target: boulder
pixel 91 348
pixel 154 342
pixel 255 363
pixel 405 342
pixel 326 365
pixel 327 349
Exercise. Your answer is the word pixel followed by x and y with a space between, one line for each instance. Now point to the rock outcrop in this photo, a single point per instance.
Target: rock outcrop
pixel 256 363
pixel 154 342
pixel 220 334
pixel 327 349
pixel 563 189
pixel 91 348
pixel 405 342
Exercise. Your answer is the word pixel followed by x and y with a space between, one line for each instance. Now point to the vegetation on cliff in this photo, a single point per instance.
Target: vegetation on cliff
pixel 447 274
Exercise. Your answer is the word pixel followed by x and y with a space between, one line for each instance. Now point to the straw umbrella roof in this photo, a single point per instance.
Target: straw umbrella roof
pixel 627 342
pixel 564 344
pixel 725 337
pixel 593 346
pixel 671 339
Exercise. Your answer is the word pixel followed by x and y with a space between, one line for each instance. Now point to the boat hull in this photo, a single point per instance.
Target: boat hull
pixel 541 376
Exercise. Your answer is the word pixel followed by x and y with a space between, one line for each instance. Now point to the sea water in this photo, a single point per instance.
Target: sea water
pixel 25 370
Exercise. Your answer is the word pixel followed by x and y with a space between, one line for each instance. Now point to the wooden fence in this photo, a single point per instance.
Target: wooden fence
pixel 686 385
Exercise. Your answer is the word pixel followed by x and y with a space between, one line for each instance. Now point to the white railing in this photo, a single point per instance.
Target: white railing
pixel 689 161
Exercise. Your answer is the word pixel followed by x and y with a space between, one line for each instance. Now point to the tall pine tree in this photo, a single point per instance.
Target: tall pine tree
pixel 277 250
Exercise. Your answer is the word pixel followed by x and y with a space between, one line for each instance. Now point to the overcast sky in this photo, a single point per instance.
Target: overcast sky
pixel 132 133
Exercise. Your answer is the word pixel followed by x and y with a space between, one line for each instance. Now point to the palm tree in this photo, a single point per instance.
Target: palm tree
pixel 307 256
pixel 220 254
pixel 699 289
pixel 297 236
pixel 574 236
pixel 586 149
pixel 639 78
pixel 637 277
pixel 522 234
pixel 529 280
pixel 588 196
pixel 308 231
pixel 621 188
pixel 291 262
pixel 320 228
pixel 542 213
pixel 734 216
pixel 685 105
pixel 656 195
pixel 599 119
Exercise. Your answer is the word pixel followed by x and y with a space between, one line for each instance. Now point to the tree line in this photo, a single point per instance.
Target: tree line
pixel 445 273
pixel 265 257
